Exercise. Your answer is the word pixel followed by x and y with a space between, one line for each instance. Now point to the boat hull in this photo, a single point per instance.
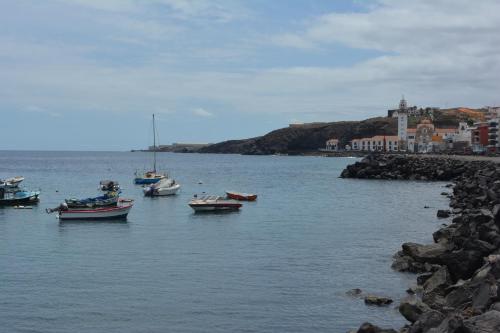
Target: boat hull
pixel 213 207
pixel 159 192
pixel 241 196
pixel 208 208
pixel 31 200
pixel 95 214
pixel 146 181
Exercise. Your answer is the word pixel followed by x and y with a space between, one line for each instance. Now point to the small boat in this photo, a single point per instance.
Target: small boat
pixel 114 212
pixel 241 196
pixel 213 203
pixel 166 186
pixel 109 186
pixel 150 177
pixel 12 182
pixel 18 198
pixel 108 199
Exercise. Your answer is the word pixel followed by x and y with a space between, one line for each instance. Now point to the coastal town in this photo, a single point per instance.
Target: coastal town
pixel 468 131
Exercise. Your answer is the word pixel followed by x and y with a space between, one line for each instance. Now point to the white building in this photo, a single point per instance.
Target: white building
pixel 463 134
pixel 376 143
pixel 332 145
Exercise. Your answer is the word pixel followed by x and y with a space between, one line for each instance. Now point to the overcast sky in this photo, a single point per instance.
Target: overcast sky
pixel 88 74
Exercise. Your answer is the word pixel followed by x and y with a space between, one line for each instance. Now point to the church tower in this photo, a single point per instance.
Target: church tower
pixel 403 124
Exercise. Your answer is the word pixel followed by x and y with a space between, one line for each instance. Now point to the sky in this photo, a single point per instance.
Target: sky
pixel 88 74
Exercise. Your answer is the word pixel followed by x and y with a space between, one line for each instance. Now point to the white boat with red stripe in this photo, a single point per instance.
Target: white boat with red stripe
pixel 113 212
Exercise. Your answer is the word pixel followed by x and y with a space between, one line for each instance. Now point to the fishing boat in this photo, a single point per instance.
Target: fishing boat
pixel 18 198
pixel 211 203
pixel 109 186
pixel 152 176
pixel 115 212
pixel 241 196
pixel 12 182
pixel 164 187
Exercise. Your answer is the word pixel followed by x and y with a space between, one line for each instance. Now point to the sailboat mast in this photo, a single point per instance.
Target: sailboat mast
pixel 154 144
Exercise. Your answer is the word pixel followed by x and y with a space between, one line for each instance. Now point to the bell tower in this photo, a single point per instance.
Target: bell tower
pixel 403 124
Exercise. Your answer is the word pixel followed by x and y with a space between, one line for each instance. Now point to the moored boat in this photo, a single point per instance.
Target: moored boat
pixel 147 178
pixel 241 196
pixel 211 203
pixel 150 177
pixel 18 198
pixel 12 182
pixel 113 212
pixel 109 186
pixel 164 187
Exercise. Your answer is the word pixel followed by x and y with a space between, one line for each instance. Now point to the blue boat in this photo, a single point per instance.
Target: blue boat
pixel 18 198
pixel 150 177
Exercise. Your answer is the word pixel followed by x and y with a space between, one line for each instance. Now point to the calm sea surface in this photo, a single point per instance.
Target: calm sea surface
pixel 281 264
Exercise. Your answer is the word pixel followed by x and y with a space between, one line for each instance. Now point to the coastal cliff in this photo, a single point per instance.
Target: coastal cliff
pixel 459 274
pixel 300 139
pixel 305 138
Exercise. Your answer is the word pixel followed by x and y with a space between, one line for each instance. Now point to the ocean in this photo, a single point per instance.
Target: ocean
pixel 281 264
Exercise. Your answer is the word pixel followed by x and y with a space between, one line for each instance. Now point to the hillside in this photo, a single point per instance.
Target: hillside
pixel 298 139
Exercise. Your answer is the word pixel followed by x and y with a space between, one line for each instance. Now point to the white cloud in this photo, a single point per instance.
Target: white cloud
pixel 40 110
pixel 293 40
pixel 215 10
pixel 202 112
pixel 440 53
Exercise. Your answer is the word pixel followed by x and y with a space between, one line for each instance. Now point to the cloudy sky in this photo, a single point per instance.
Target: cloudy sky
pixel 88 74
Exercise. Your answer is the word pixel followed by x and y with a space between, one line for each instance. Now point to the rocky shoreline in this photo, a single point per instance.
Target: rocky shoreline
pixel 459 274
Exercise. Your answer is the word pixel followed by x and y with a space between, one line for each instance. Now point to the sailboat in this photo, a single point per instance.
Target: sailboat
pixel 150 177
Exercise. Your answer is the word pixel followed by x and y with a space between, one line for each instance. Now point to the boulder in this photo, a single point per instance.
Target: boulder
pixel 377 300
pixel 488 322
pixel 453 323
pixel 435 288
pixel 426 321
pixel 443 213
pixel 370 328
pixel 462 263
pixel 354 292
pixel 431 253
pixel 412 308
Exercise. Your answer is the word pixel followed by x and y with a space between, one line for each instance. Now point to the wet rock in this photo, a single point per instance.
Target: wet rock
pixel 377 300
pixel 412 308
pixel 354 292
pixel 488 322
pixel 462 263
pixel 423 277
pixel 443 213
pixel 431 253
pixel 453 323
pixel 370 328
pixel 438 280
pixel 426 321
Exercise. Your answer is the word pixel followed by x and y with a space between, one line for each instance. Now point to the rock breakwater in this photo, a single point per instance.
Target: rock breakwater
pixel 459 274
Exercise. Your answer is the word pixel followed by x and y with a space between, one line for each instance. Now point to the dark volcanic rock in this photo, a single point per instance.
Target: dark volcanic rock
pixel 377 300
pixel 461 270
pixel 443 213
pixel 413 308
pixel 370 328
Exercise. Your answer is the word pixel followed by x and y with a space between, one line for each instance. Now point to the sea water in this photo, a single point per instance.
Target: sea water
pixel 281 264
